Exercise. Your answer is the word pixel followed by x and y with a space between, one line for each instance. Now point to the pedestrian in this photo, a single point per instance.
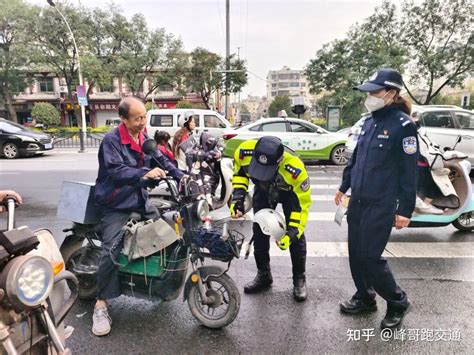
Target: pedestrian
pixel 382 177
pixel 279 176
pixel 162 140
pixel 182 136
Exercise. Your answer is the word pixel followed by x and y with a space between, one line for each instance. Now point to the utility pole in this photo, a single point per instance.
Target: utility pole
pixel 238 58
pixel 82 135
pixel 227 55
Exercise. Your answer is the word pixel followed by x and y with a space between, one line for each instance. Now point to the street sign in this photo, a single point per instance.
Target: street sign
pixel 81 95
pixel 333 115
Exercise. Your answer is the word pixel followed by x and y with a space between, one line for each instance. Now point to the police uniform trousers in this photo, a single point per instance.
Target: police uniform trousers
pixel 370 225
pixel 262 241
pixel 108 282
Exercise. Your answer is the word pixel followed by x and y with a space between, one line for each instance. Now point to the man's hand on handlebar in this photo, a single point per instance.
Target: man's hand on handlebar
pixel 9 193
pixel 156 173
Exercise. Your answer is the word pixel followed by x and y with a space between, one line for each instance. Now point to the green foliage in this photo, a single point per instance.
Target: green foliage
pixel 204 78
pixel 15 49
pixel 149 106
pixel 280 103
pixel 45 113
pixel 61 131
pixel 184 104
pixel 431 43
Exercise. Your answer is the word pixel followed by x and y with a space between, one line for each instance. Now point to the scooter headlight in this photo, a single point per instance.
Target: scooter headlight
pixel 28 280
pixel 202 209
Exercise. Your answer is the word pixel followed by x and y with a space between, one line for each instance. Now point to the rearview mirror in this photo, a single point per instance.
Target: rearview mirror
pixel 319 131
pixel 149 146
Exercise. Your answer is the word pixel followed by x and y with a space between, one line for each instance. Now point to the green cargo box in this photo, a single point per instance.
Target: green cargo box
pixel 151 266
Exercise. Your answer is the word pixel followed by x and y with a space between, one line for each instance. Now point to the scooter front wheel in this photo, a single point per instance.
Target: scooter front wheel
pixel 224 305
pixel 465 222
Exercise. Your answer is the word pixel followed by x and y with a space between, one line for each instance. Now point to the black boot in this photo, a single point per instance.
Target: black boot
pixel 264 279
pixel 261 282
pixel 299 278
pixel 299 288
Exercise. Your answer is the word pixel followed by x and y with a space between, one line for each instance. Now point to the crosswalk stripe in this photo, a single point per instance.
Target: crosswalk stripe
pixel 312 216
pixel 393 250
pixel 325 186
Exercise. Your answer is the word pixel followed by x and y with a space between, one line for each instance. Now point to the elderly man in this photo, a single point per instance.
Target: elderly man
pixel 118 192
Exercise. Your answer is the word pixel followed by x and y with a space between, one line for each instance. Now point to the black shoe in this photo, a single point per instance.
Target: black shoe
pixel 394 318
pixel 299 289
pixel 261 282
pixel 356 306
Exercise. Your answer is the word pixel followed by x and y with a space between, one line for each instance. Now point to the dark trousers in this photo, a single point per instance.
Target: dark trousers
pixel 108 283
pixel 262 241
pixel 370 226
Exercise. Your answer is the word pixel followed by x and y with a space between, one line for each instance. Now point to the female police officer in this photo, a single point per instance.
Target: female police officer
pixel 382 179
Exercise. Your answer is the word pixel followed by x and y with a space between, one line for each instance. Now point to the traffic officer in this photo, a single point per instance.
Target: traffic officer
pixel 382 177
pixel 279 177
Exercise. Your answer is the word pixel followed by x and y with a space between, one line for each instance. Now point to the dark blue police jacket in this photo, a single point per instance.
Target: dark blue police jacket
pixel 383 167
pixel 121 165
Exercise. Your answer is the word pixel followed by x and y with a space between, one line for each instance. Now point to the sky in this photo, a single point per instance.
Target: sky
pixel 270 33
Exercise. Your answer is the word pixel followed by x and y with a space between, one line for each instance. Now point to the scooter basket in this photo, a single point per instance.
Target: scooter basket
pixel 219 249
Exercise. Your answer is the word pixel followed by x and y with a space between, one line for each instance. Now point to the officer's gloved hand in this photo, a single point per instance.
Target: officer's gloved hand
pixel 286 241
pixel 236 208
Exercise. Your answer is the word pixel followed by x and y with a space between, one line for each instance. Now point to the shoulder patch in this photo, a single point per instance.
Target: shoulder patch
pixel 409 145
pixel 304 186
pixel 245 153
pixel 295 172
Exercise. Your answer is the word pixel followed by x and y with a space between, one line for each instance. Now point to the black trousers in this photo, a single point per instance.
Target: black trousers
pixel 108 282
pixel 370 226
pixel 262 241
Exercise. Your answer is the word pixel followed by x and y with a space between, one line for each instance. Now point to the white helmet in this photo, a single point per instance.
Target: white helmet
pixel 271 223
pixel 185 117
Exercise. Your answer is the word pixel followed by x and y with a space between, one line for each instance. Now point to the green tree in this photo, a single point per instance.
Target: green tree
pixel 184 104
pixel 45 113
pixel 280 103
pixel 439 36
pixel 204 75
pixel 15 50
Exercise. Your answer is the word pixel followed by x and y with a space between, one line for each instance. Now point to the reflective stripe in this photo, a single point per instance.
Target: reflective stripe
pixel 398 86
pixel 240 186
pixel 240 180
pixel 295 215
pixel 294 224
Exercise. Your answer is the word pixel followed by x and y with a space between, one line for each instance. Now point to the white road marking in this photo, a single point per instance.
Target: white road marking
pixel 312 216
pixel 395 249
pixel 9 173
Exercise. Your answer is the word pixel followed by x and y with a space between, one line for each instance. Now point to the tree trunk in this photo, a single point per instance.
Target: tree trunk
pixel 11 110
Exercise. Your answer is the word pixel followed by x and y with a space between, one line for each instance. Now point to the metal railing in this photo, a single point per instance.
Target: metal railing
pixel 73 140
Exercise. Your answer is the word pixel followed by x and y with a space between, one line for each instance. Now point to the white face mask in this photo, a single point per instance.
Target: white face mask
pixel 373 103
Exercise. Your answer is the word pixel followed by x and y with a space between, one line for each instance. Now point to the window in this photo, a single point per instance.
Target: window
pixel 283 76
pixel 274 86
pixel 294 76
pixel 255 128
pixel 298 127
pixel 303 85
pixel 45 84
pixel 283 93
pixel 161 120
pixel 274 77
pixel 212 121
pixel 274 93
pixel 11 127
pixel 295 84
pixel 465 119
pixel 283 85
pixel 438 119
pixel 274 127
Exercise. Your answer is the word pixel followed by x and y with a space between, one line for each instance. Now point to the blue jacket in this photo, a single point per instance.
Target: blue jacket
pixel 121 166
pixel 383 167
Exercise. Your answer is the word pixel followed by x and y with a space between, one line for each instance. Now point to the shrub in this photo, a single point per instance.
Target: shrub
pixel 45 113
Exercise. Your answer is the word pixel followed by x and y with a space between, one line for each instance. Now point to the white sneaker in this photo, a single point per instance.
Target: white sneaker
pixel 421 207
pixel 101 321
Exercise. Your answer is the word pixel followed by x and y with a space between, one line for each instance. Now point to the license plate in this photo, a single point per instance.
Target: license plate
pixel 48 146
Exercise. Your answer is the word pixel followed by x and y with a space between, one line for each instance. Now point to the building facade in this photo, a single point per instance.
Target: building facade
pixel 288 82
pixel 102 105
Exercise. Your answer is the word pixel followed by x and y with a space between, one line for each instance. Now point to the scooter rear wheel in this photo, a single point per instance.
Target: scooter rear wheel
pixel 226 303
pixel 465 222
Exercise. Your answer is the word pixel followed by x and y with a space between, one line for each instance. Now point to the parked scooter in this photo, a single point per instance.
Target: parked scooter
pixel 32 290
pixel 461 217
pixel 212 295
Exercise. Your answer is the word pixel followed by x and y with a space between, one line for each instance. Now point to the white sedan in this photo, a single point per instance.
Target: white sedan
pixel 309 141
